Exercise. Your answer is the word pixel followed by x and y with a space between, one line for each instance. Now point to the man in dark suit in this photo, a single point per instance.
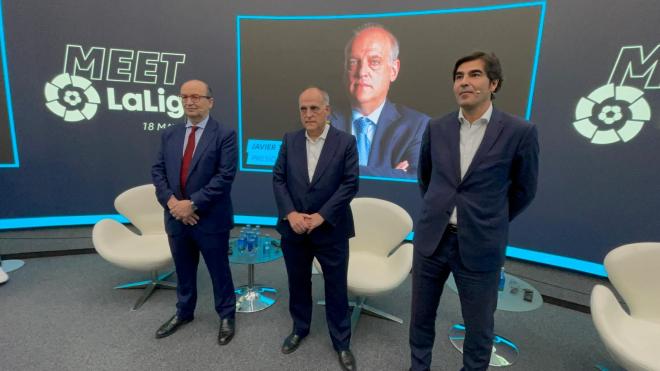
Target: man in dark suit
pixel 477 171
pixel 314 180
pixel 193 176
pixel 388 134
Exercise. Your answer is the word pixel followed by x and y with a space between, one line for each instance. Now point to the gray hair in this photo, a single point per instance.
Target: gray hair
pixel 209 91
pixel 394 43
pixel 324 94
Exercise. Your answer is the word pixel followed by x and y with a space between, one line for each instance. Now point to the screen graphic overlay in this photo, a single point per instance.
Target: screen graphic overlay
pixel 304 51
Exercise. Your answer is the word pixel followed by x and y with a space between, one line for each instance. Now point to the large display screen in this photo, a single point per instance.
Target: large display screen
pixel 87 90
pixel 300 51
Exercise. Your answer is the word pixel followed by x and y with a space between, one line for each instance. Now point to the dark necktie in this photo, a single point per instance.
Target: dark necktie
pixel 362 126
pixel 187 158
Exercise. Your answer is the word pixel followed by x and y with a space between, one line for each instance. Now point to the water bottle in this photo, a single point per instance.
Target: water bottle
pixel 250 241
pixel 265 245
pixel 241 241
pixel 257 237
pixel 500 287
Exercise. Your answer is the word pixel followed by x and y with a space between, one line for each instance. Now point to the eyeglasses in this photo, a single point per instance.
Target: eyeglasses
pixel 194 98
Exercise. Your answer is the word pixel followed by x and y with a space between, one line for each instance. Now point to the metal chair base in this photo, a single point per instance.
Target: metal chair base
pixel 250 299
pixel 149 286
pixel 11 265
pixel 359 306
pixel 504 353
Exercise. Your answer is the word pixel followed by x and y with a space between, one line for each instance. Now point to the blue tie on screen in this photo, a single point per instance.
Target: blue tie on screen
pixel 362 126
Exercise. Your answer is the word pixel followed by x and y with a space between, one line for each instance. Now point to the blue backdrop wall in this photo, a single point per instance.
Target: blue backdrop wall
pixel 87 87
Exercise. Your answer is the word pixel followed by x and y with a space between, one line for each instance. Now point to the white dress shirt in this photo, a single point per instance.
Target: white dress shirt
pixel 314 147
pixel 198 132
pixel 471 135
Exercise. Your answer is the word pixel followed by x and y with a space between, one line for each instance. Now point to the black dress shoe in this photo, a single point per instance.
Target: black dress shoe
pixel 227 330
pixel 170 327
pixel 346 360
pixel 291 343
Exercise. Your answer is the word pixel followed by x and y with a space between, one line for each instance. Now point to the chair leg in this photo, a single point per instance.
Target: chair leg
pixel 145 295
pixel 359 306
pixel 162 283
pixel 357 310
pixel 149 286
pixel 369 310
pixel 165 275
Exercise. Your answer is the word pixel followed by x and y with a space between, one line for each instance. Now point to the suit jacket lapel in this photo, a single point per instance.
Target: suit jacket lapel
pixel 207 136
pixel 493 130
pixel 388 115
pixel 299 151
pixel 176 147
pixel 454 138
pixel 327 153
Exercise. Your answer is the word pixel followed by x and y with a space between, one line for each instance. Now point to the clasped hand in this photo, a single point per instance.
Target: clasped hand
pixel 403 165
pixel 304 223
pixel 182 211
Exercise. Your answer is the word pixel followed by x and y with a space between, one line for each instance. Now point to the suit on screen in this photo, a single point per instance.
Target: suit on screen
pixel 397 138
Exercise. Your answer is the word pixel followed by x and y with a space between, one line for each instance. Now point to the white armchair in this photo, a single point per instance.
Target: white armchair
pixel 373 269
pixel 148 251
pixel 633 339
pixel 3 276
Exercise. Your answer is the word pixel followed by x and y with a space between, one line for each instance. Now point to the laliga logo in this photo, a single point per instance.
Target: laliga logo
pixel 621 114
pixel 617 111
pixel 73 98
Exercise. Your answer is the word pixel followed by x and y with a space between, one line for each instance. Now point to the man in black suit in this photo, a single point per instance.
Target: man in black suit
pixel 477 171
pixel 388 134
pixel 193 176
pixel 314 180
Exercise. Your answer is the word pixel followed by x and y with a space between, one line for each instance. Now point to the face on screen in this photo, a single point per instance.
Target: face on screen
pixel 313 111
pixel 472 88
pixel 370 69
pixel 195 101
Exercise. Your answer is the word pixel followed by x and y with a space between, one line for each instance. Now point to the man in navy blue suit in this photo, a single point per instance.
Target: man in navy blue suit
pixel 314 180
pixel 193 176
pixel 388 134
pixel 477 171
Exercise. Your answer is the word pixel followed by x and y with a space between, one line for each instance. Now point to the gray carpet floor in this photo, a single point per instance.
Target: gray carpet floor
pixel 61 313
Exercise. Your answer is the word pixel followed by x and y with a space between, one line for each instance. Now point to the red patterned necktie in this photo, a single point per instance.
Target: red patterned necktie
pixel 187 158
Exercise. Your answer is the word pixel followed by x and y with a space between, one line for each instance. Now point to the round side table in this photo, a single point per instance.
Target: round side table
pixel 252 297
pixel 512 298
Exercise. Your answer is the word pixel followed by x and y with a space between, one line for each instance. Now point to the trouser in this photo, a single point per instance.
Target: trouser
pixel 298 257
pixel 477 292
pixel 186 248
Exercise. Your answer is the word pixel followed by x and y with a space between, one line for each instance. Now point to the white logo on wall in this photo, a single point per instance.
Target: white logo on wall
pixel 617 111
pixel 71 96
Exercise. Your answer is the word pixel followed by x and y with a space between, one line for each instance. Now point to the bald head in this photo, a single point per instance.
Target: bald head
pixel 374 28
pixel 314 90
pixel 372 64
pixel 314 107
pixel 206 86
